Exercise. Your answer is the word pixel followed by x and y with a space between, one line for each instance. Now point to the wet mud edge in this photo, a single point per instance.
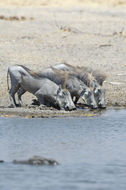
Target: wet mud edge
pixel 33 113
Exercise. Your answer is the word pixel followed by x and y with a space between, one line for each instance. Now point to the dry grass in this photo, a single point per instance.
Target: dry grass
pixel 14 18
pixel 61 2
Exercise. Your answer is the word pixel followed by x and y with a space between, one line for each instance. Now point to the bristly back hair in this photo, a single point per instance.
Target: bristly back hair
pixel 32 73
pixel 98 75
pixel 79 73
pixel 62 75
pixel 85 77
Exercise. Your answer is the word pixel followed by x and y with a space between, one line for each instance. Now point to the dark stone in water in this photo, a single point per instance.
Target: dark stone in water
pixel 37 160
pixel 1 161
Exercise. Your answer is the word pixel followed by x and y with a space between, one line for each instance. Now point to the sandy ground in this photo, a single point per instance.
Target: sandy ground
pixel 38 37
pixel 65 3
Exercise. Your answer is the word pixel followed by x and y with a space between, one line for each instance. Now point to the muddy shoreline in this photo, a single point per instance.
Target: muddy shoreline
pixel 38 113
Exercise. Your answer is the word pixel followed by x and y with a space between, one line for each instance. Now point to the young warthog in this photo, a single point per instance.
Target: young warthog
pixel 47 92
pixel 92 78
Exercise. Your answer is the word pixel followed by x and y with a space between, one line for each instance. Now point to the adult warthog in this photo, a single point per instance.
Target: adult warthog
pixel 47 92
pixel 69 81
pixel 92 78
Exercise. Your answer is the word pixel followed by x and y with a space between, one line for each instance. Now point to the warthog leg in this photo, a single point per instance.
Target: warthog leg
pixel 12 92
pixel 21 91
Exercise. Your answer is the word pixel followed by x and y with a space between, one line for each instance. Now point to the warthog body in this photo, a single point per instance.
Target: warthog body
pixel 69 81
pixel 47 92
pixel 92 78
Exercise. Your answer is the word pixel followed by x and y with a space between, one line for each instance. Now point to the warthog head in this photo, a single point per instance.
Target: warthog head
pixel 99 95
pixel 88 97
pixel 64 100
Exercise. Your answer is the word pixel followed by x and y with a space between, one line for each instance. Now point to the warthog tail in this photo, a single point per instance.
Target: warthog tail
pixel 8 88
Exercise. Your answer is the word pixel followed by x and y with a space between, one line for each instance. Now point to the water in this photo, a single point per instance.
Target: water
pixel 91 152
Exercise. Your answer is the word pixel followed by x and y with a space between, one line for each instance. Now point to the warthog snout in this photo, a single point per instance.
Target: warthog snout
pixel 67 108
pixel 101 105
pixel 93 106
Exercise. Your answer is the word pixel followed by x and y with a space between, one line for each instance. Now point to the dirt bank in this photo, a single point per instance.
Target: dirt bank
pixel 44 36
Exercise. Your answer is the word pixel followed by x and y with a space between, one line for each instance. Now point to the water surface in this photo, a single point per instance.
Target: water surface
pixel 91 152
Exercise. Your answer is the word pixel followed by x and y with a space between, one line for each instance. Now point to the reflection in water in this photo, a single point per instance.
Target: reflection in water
pixel 91 152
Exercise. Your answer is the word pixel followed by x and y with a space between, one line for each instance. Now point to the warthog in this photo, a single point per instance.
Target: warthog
pixel 69 81
pixel 92 78
pixel 47 92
